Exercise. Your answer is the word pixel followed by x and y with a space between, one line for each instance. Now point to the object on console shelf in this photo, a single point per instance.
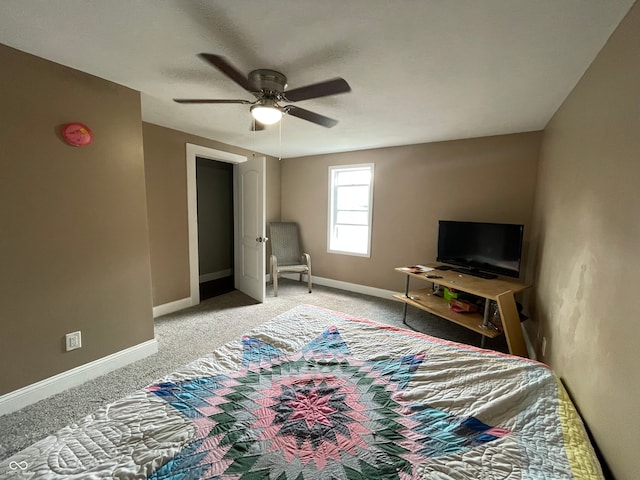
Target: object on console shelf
pixel 449 293
pixel 494 315
pixel 458 305
pixel 453 308
pixel 471 298
pixel 417 269
pixel 522 316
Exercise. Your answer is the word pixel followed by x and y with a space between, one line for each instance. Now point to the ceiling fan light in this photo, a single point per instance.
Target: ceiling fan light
pixel 266 115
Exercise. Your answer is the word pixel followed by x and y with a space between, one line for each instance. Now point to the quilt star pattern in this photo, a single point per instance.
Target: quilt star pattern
pixel 319 394
pixel 319 412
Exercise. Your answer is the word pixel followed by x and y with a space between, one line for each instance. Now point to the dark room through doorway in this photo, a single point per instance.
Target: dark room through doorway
pixel 214 180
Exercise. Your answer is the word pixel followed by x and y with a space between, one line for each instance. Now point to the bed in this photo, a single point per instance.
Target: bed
pixel 320 394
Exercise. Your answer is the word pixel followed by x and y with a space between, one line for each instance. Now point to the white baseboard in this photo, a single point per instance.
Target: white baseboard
pixel 527 341
pixel 350 287
pixel 171 307
pixel 35 392
pixel 207 277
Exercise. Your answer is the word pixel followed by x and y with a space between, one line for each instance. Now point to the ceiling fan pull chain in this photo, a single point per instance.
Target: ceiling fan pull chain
pixel 280 131
pixel 253 136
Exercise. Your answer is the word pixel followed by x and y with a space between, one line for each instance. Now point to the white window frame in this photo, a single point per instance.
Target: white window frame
pixel 333 209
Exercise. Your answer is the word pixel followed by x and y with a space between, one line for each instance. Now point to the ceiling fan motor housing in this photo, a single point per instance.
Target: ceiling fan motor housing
pixel 268 81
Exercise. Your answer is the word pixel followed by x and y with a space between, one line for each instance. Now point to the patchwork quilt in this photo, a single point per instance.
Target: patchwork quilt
pixel 317 394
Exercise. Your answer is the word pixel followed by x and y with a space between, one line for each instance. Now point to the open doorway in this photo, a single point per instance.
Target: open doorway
pixel 214 181
pixel 249 220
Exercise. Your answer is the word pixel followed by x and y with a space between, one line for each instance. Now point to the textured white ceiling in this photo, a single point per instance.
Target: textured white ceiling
pixel 420 70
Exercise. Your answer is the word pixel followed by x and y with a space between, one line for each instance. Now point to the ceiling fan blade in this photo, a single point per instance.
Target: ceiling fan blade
pixel 310 116
pixel 322 89
pixel 229 70
pixel 205 100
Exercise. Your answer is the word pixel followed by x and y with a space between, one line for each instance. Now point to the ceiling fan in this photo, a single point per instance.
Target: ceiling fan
pixel 268 87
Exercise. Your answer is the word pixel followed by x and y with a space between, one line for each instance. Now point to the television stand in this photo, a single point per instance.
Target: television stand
pixel 497 289
pixel 474 272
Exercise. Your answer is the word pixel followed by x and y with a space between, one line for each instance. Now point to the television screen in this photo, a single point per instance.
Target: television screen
pixel 481 247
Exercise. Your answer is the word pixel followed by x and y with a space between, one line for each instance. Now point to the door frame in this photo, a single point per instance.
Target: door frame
pixel 194 151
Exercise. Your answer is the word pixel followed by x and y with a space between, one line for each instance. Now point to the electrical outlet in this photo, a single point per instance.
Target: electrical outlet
pixel 73 340
pixel 543 347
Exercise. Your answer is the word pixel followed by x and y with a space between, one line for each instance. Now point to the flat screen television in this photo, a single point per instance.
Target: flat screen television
pixel 481 249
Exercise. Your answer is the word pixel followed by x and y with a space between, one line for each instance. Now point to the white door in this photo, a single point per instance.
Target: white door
pixel 250 237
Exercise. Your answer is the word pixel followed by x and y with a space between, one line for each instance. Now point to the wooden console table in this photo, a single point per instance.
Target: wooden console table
pixel 500 290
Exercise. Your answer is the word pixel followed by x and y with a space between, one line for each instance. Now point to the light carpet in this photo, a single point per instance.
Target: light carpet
pixel 194 332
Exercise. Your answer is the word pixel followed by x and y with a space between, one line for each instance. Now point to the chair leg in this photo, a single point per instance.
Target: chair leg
pixel 309 280
pixel 274 275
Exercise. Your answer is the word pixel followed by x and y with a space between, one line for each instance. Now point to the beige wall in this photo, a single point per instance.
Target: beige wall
pixel 484 179
pixel 166 178
pixel 588 246
pixel 73 244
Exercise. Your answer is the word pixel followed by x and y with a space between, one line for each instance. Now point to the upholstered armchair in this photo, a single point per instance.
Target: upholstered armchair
pixel 286 253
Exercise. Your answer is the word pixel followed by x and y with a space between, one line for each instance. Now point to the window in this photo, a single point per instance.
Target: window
pixel 350 206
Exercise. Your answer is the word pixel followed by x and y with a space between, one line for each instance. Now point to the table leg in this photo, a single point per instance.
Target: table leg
pixel 487 312
pixel 511 324
pixel 406 294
